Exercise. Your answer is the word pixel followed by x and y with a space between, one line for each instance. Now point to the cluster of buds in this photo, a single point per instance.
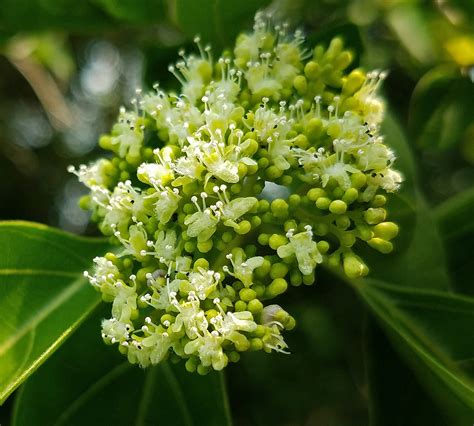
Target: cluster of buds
pixel 268 163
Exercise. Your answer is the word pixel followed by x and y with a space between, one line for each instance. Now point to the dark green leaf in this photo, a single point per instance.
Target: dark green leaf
pixel 418 259
pixel 37 15
pixel 134 11
pixel 441 108
pixel 216 21
pixel 434 331
pixel 395 396
pixel 87 382
pixel 455 218
pixel 321 381
pixel 43 295
pixel 464 10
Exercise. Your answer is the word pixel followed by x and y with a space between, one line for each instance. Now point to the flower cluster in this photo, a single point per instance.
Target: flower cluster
pixel 189 196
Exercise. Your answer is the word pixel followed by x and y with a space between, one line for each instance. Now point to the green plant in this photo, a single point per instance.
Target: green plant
pixel 270 172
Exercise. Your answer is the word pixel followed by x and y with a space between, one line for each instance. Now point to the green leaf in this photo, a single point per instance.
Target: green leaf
pixel 38 15
pixel 395 396
pixel 441 108
pixel 43 295
pixel 134 11
pixel 216 21
pixel 434 332
pixel 409 23
pixel 77 17
pixel 455 218
pixel 87 382
pixel 418 259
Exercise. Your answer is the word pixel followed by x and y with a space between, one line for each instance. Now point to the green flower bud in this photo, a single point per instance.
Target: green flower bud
pixel 276 287
pixel 338 207
pixel 255 306
pixel 323 203
pixel 354 267
pixel 278 270
pixel 386 230
pixel 381 245
pixel 350 195
pixel 276 241
pixel 247 294
pixel 315 193
pixel 374 216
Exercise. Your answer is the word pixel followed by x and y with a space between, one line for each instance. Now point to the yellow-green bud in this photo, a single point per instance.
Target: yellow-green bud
pixel 381 245
pixel 374 216
pixel 338 207
pixel 276 287
pixel 386 230
pixel 247 294
pixel 354 267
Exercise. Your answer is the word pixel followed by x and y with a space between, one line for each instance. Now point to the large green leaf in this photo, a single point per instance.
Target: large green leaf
pixel 441 108
pixel 395 396
pixel 134 11
pixel 455 218
pixel 87 382
pixel 216 21
pixel 77 17
pixel 40 15
pixel 320 382
pixel 418 259
pixel 43 295
pixel 434 331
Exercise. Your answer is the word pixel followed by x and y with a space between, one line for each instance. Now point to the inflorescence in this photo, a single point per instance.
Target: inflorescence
pixel 188 191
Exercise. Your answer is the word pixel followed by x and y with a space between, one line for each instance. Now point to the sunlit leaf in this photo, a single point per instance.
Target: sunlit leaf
pixel 43 295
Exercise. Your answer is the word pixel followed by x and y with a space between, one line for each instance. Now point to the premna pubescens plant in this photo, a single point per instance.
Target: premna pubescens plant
pixel 271 247
pixel 267 163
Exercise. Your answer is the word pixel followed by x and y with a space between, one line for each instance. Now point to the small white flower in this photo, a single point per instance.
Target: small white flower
pixel 304 248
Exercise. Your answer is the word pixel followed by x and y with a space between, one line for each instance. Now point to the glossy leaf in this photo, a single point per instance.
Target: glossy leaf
pixel 434 331
pixel 43 295
pixel 418 259
pixel 455 218
pixel 216 21
pixel 91 383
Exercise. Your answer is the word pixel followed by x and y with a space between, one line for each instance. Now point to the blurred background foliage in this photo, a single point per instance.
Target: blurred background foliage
pixel 67 66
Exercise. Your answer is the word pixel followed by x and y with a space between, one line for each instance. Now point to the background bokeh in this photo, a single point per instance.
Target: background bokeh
pixel 66 67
